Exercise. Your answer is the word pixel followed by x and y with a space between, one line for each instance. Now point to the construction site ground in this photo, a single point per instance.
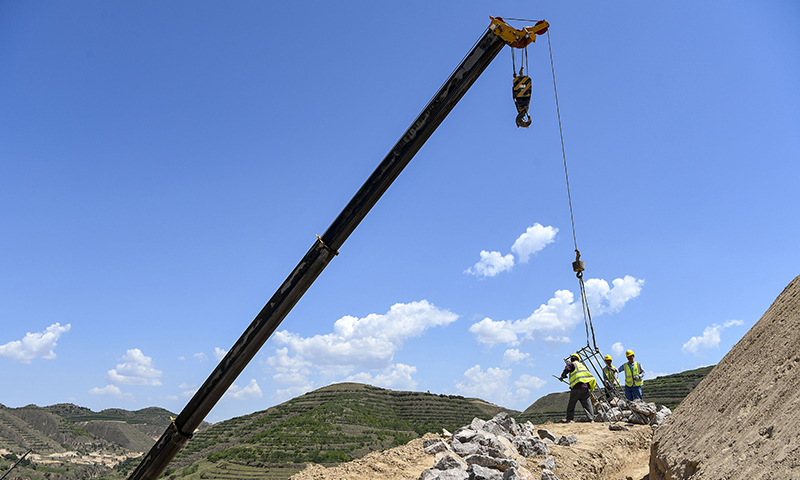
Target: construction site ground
pixel 600 454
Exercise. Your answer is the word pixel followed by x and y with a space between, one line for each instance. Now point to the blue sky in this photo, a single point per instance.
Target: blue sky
pixel 165 165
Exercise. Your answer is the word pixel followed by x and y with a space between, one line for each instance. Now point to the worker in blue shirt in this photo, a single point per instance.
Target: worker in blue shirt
pixel 634 374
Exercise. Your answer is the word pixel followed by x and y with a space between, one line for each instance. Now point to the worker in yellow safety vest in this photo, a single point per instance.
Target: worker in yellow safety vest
pixel 610 373
pixel 581 384
pixel 634 374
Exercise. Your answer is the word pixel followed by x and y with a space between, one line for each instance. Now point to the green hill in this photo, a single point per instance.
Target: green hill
pixel 331 425
pixel 668 390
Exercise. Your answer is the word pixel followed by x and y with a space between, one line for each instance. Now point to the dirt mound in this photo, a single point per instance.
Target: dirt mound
pixel 741 421
pixel 600 454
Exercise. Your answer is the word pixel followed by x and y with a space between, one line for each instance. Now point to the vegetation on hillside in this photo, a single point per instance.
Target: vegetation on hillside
pixel 331 425
pixel 668 390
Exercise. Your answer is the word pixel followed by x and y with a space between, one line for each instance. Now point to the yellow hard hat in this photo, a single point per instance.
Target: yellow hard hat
pixel 575 355
pixel 629 353
pixel 608 357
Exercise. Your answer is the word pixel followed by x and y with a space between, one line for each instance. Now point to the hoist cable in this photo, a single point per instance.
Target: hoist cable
pixel 561 133
pixel 587 315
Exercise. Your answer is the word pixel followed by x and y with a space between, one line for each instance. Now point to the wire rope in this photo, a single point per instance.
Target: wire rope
pixel 587 315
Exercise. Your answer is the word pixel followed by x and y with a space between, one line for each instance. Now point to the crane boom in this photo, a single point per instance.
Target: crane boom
pixel 326 247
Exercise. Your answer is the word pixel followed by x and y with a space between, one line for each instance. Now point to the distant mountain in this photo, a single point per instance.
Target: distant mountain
pixel 331 425
pixel 668 390
pixel 69 438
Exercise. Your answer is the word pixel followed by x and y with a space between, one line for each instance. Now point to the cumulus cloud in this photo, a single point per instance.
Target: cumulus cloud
pixel 604 299
pixel 396 377
pixel 202 357
pixel 494 385
pixel 529 243
pixel 513 355
pixel 491 384
pixel 111 391
pixel 219 353
pixel 368 342
pixel 35 345
pixel 532 241
pixel 252 390
pixel 560 313
pixel 360 349
pixel 136 369
pixel 559 316
pixel 617 349
pixel 530 381
pixel 710 338
pixel 491 263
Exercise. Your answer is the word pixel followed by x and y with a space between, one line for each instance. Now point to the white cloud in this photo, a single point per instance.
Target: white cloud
pixel 219 353
pixel 188 393
pixel 559 316
pixel 532 241
pixel 529 243
pixel 710 338
pixel 492 332
pixel 494 385
pixel 137 369
pixel 605 299
pixel 359 343
pixel 111 391
pixel 491 385
pixel 249 392
pixel 557 339
pixel 396 377
pixel 617 349
pixel 491 263
pixel 513 355
pixel 529 381
pixel 35 345
pixel 202 357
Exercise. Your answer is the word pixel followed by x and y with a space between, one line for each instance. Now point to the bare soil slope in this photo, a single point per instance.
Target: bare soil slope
pixel 741 422
pixel 600 454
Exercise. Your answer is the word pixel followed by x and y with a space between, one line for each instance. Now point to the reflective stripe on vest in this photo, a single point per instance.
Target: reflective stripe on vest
pixel 609 373
pixel 629 382
pixel 581 375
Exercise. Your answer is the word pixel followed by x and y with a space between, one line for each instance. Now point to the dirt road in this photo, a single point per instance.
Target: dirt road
pixel 600 454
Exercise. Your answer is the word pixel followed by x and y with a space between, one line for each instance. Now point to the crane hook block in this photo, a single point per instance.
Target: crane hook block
pixel 522 99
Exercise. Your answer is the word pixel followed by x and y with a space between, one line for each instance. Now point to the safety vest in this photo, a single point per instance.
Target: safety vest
pixel 580 374
pixel 609 373
pixel 629 382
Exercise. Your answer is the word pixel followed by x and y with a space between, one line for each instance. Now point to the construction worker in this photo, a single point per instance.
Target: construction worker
pixel 610 373
pixel 581 384
pixel 633 377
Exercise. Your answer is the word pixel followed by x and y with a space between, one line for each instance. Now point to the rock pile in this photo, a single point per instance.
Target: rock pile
pixel 636 411
pixel 492 450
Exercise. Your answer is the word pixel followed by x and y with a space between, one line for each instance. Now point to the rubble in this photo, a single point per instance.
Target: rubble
pixel 496 449
pixel 636 411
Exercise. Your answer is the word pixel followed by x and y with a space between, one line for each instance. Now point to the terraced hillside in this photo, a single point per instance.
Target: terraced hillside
pixel 668 390
pixel 334 424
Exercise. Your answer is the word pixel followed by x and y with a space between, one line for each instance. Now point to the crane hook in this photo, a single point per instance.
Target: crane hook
pixel 522 98
pixel 524 120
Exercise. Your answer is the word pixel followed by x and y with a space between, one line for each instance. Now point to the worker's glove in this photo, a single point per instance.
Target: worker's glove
pixel 637 377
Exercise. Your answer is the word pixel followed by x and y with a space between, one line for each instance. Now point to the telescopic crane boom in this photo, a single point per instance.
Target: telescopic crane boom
pixel 327 246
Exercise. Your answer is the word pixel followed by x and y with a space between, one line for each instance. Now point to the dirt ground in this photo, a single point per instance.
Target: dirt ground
pixel 741 421
pixel 600 454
